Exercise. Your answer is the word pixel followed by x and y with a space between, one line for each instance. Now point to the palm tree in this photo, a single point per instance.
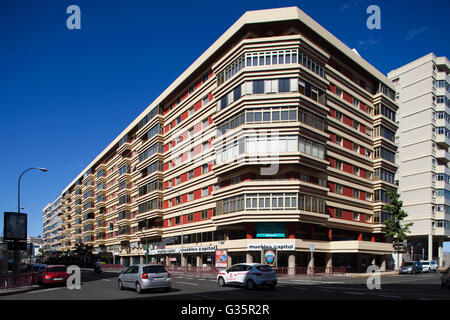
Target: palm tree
pixel 83 251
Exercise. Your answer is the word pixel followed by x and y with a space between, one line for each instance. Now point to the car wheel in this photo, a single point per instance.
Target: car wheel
pixel 250 284
pixel 138 288
pixel 119 283
pixel 221 282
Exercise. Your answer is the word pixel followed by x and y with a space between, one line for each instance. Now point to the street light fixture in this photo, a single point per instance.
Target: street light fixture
pixel 16 252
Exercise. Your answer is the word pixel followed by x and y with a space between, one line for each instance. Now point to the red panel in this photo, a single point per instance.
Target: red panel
pixel 332 88
pixel 347 144
pixel 347 215
pixel 166 166
pixel 347 191
pixel 165 204
pixel 210 165
pixel 184 198
pixel 347 168
pixel 362 173
pixel 166 129
pixel 362 195
pixel 332 137
pixel 330 234
pixel 184 115
pixel 197 172
pixel 332 162
pixel 198 105
pixel 348 121
pixel 332 112
pixel 360 236
pixel 362 128
pixel 184 157
pixel 210 119
pixel 186 94
pixel 197 149
pixel 362 150
pixel 198 127
pixel 166 147
pixel 332 186
pixel 362 106
pixel 197 194
pixel 210 96
pixel 183 177
pixel 225 183
pixel 372 239
pixel 347 97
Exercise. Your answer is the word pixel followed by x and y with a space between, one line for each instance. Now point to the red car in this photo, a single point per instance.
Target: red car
pixel 53 274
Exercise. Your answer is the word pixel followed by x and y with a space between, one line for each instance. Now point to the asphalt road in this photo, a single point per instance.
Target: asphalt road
pixel 184 287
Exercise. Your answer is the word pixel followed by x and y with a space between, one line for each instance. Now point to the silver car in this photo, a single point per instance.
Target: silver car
pixel 145 276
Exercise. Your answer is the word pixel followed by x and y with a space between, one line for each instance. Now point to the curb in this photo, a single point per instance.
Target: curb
pixel 9 292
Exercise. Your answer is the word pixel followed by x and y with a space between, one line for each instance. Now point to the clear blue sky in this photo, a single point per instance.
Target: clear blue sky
pixel 66 94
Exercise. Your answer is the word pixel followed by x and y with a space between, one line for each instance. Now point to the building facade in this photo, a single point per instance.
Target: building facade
pixel 52 229
pixel 423 89
pixel 270 138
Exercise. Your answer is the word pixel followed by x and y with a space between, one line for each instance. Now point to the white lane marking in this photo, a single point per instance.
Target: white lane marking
pixel 106 279
pixel 358 293
pixel 194 284
pixel 44 290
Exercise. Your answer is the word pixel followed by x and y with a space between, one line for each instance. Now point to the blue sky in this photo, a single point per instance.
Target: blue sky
pixel 66 94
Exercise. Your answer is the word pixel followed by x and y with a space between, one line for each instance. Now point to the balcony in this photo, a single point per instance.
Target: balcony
pixel 443 141
pixel 443 156
pixel 124 145
pixel 123 215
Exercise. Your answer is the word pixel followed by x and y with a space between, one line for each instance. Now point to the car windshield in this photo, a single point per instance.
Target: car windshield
pixel 408 264
pixel 56 269
pixel 264 268
pixel 154 269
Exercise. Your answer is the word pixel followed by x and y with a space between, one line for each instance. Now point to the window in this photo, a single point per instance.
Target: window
pixel 368 218
pixel 356 193
pixel 355 102
pixel 339 164
pixel 338 213
pixel 339 188
pixel 355 216
pixel 204 168
pixel 338 92
pixel 190 196
pixel 204 214
pixel 191 174
pixel 190 217
pixel 204 192
pixel 284 85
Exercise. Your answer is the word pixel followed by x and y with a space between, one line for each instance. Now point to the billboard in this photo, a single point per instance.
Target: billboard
pixel 222 258
pixel 270 257
pixel 15 226
pixel 270 230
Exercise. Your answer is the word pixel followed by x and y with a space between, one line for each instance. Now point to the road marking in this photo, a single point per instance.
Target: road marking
pixel 106 279
pixel 194 284
pixel 358 293
pixel 213 280
pixel 44 290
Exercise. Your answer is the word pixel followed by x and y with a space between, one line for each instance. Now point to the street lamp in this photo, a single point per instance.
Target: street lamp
pixel 16 252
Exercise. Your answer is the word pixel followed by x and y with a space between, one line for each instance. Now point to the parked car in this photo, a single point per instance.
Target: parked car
pixel 411 267
pixel 52 274
pixel 145 276
pixel 445 278
pixel 429 265
pixel 249 275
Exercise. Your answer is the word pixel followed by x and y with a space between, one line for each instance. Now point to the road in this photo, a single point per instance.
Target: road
pixel 184 287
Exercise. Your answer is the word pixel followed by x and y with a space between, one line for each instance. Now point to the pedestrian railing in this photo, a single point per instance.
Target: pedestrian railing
pixel 193 270
pixel 15 281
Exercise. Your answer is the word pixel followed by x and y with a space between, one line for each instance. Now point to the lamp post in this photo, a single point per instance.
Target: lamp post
pixel 17 252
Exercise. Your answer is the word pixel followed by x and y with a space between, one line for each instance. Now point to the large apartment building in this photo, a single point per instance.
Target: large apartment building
pixel 52 226
pixel 275 136
pixel 423 89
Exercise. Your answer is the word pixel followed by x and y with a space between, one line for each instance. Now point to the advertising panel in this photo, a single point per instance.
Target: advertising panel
pixel 15 226
pixel 221 258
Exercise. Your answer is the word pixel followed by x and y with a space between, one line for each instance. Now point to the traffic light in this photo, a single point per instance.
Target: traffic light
pixel 111 226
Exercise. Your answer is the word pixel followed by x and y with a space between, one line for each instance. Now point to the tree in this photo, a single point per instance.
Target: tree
pixel 83 251
pixel 395 229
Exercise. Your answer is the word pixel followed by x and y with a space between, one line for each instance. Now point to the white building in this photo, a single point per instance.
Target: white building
pixel 423 138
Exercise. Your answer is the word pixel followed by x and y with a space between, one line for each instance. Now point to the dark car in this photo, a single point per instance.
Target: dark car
pixel 445 278
pixel 411 267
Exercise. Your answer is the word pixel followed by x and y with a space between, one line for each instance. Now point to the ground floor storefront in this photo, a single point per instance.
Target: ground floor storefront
pixel 355 256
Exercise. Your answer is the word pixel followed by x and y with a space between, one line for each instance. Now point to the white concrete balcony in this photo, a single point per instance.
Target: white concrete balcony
pixel 442 155
pixel 443 140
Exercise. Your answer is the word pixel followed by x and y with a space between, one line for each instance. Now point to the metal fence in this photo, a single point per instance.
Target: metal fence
pixel 194 270
pixel 15 281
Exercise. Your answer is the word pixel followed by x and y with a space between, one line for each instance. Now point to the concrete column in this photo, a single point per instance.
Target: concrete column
pixel 121 260
pixel 167 261
pixel 310 263
pixel 441 254
pixel 383 263
pixel 230 261
pixel 141 259
pixel 291 264
pixel 329 262
pixel 184 260
pixel 248 258
pixel 199 261
pixel 430 247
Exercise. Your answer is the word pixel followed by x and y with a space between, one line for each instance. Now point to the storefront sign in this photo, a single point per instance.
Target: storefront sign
pixel 221 258
pixel 269 230
pixel 185 250
pixel 267 246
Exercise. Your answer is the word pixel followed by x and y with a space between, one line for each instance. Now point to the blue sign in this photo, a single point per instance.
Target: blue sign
pixel 270 230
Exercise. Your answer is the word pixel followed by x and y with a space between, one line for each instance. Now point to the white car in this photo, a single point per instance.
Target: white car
pixel 249 275
pixel 429 265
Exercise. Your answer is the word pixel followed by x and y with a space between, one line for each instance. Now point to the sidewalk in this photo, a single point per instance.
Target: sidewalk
pixel 7 292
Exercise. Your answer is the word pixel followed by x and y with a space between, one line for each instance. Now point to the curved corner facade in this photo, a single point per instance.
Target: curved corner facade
pixel 278 135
